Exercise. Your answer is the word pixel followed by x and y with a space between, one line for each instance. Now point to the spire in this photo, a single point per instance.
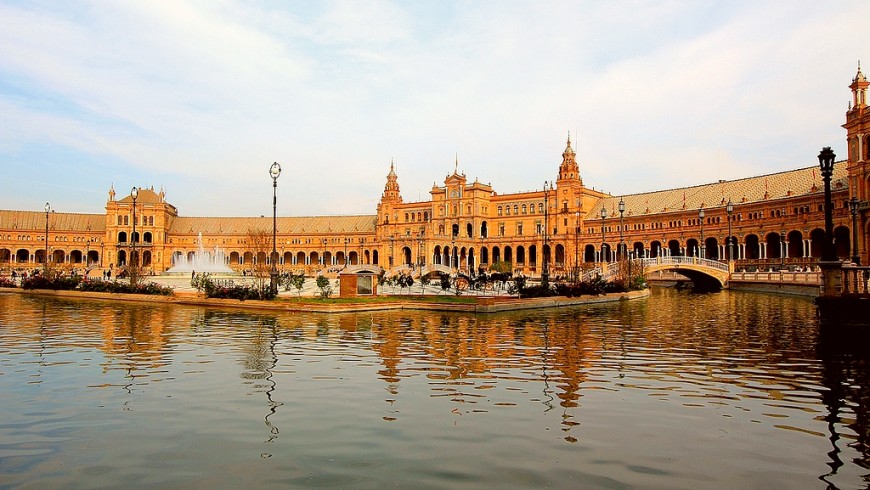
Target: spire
pixel 859 89
pixel 112 192
pixel 569 168
pixel 456 164
pixel 391 189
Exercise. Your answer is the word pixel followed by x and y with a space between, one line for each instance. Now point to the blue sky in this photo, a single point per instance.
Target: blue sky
pixel 201 97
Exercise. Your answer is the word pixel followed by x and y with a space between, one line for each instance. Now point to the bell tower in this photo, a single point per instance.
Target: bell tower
pixel 858 162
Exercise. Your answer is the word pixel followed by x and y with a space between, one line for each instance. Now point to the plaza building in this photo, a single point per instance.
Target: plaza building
pixel 773 221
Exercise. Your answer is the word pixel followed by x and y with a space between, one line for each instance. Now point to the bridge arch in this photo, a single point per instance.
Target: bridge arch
pixel 705 274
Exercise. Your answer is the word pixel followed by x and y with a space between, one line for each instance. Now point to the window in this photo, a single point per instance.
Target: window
pixel 519 228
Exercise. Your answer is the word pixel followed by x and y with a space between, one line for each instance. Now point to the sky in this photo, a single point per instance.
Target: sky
pixel 200 97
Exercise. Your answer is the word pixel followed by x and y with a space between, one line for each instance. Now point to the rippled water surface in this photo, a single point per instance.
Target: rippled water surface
pixel 725 390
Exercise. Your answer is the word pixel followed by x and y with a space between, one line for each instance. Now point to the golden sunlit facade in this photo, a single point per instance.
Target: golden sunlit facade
pixel 777 221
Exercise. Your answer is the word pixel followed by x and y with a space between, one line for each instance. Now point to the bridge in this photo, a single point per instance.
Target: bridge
pixel 704 273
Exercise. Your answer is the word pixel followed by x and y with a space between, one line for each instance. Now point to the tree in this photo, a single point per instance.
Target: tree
pixel 325 288
pixel 260 242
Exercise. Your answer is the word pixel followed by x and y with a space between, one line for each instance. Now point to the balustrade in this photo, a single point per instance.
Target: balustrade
pixel 855 279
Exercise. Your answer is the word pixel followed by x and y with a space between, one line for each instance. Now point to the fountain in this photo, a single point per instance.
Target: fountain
pixel 202 261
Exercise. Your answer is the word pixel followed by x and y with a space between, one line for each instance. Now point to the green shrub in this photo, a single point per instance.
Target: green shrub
pixel 53 283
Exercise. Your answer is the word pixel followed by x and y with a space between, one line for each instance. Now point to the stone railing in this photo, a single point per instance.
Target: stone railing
pixel 855 279
pixel 814 278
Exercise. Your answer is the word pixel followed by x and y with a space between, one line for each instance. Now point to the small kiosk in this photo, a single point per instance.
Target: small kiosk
pixel 358 280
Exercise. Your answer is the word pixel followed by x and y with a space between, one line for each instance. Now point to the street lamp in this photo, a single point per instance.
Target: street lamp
pixel 729 208
pixel 701 222
pixel 346 240
pixel 274 172
pixel 45 259
pixel 576 250
pixel 603 216
pixel 621 248
pixel 826 164
pixel 853 207
pixel 545 271
pixel 134 193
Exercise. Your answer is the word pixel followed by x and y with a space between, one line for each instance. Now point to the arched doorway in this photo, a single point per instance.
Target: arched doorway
pixel 589 253
pixel 752 249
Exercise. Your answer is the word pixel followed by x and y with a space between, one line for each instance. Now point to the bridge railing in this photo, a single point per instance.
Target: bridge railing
pixel 680 260
pixel 855 279
pixel 814 278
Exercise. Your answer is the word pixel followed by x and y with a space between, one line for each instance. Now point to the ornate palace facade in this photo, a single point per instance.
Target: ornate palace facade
pixel 777 221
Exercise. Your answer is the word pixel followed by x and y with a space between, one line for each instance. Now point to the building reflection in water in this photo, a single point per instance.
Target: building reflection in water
pixel 725 350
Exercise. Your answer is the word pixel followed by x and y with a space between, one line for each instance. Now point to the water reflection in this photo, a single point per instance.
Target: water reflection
pixel 736 378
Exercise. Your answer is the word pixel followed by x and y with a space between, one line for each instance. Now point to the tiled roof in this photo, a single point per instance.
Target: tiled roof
pixel 743 191
pixel 35 220
pixel 286 225
pixel 146 196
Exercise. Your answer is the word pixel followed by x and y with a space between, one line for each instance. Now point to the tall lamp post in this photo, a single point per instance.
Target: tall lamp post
pixel 831 280
pixel 131 268
pixel 826 164
pixel 545 270
pixel 729 208
pixel 621 248
pixel 576 248
pixel 603 216
pixel 45 259
pixel 853 208
pixel 701 223
pixel 274 172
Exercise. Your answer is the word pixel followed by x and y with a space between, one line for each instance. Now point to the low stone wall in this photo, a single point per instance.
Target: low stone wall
pixel 790 288
pixel 483 305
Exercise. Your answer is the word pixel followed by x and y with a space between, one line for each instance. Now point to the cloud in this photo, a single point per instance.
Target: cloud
pixel 205 95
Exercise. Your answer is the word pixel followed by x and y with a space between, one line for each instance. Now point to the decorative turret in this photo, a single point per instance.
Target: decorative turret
pixel 859 90
pixel 569 169
pixel 391 189
pixel 112 193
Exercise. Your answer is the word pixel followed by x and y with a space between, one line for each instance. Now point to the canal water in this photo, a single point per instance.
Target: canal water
pixel 681 390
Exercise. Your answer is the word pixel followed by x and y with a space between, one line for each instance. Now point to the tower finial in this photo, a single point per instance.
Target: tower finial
pixel 456 164
pixel 569 137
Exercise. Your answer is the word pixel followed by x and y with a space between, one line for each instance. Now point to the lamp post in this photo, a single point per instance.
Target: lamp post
pixel 831 280
pixel 701 223
pixel 102 249
pixel 274 172
pixel 346 240
pixel 853 208
pixel 576 248
pixel 603 216
pixel 621 247
pixel 545 270
pixel 131 268
pixel 729 208
pixel 826 164
pixel 45 259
